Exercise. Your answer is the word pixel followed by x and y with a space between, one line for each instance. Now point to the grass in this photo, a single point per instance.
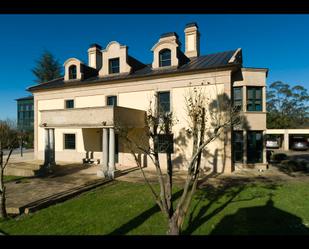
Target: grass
pixel 128 208
pixel 12 178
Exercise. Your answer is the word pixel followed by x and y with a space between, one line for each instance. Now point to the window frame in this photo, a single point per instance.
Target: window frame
pixel 64 141
pixel 66 101
pixel 162 147
pixel 72 76
pixel 258 154
pixel 111 67
pixel 112 96
pixel 238 100
pixel 158 102
pixel 162 61
pixel 254 101
pixel 235 150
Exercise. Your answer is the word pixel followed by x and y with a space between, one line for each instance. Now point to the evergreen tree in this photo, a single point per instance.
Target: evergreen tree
pixel 287 107
pixel 47 68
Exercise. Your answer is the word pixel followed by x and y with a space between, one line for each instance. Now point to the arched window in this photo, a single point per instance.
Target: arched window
pixel 72 72
pixel 165 58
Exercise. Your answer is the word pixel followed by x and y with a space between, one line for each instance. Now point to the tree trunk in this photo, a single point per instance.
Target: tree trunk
pixel 3 213
pixel 173 226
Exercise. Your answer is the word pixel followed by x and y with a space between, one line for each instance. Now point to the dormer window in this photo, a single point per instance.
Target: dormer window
pixel 165 58
pixel 72 72
pixel 114 66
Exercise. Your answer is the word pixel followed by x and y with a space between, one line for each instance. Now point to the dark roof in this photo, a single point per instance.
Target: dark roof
pixel 211 61
pixel 191 24
pixel 95 45
pixel 25 98
pixel 169 34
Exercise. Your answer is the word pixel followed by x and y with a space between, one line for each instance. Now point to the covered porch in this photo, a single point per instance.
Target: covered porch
pixel 96 128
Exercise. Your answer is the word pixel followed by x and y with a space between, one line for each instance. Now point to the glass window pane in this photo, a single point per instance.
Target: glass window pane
pixel 72 72
pixel 258 93
pixel 238 146
pixel 255 147
pixel 254 99
pixel 69 103
pixel 164 102
pixel 164 143
pixel 237 93
pixel 114 66
pixel 165 58
pixel 250 93
pixel 112 100
pixel 69 141
pixel 258 107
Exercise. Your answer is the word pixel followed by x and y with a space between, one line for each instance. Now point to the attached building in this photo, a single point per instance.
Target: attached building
pixel 75 115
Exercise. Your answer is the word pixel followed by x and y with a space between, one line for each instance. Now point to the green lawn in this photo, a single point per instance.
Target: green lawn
pixel 128 208
pixel 12 178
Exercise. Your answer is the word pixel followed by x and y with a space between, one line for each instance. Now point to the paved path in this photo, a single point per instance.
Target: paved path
pixel 29 194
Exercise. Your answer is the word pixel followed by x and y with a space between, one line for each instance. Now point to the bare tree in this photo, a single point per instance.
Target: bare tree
pixel 8 141
pixel 207 120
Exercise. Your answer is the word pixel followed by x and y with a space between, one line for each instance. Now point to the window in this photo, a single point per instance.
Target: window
pixel 114 65
pixel 237 98
pixel 164 143
pixel 164 102
pixel 238 140
pixel 164 58
pixel 112 100
pixel 69 103
pixel 72 72
pixel 254 99
pixel 69 141
pixel 255 147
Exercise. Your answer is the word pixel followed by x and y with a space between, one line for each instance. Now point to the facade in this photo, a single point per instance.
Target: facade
pixel 75 116
pixel 25 114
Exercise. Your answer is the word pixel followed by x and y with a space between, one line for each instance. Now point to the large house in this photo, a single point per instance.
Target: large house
pixel 75 116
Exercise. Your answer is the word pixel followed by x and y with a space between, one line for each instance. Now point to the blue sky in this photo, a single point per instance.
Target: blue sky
pixel 278 42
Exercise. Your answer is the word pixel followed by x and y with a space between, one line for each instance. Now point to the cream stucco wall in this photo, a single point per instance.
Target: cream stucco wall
pixel 137 94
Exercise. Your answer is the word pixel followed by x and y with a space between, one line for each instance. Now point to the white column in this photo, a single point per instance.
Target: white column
pixel 104 169
pixel 111 163
pixel 286 140
pixel 46 147
pixel 51 146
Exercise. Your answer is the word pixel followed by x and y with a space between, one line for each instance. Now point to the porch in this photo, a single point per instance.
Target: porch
pixel 97 134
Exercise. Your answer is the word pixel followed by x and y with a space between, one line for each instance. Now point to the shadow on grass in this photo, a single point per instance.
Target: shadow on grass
pixel 254 220
pixel 140 219
pixel 229 188
pixel 3 233
pixel 261 220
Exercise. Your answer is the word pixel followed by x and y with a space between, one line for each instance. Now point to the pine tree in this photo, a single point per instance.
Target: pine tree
pixel 47 68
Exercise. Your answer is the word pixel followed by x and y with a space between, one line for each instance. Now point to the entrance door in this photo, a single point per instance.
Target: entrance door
pixel 255 147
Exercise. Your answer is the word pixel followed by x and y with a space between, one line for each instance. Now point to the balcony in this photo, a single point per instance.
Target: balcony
pixel 92 117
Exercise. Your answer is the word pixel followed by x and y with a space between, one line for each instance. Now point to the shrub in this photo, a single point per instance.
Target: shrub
pixel 295 165
pixel 278 157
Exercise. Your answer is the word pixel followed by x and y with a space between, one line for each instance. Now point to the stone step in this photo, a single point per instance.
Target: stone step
pixel 13 171
pixel 25 165
pixel 22 169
